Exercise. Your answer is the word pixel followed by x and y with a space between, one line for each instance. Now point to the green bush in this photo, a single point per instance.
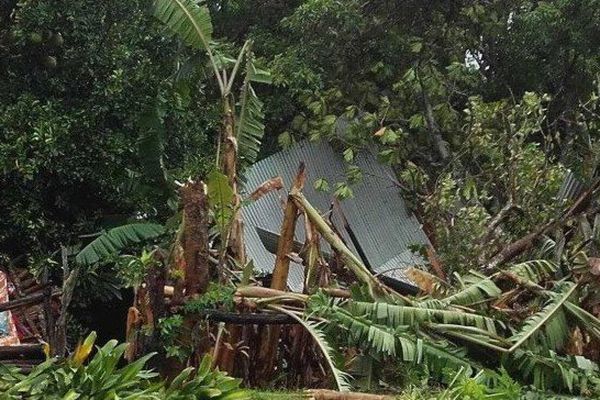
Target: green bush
pixel 101 378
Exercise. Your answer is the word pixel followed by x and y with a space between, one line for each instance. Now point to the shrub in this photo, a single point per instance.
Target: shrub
pixel 102 378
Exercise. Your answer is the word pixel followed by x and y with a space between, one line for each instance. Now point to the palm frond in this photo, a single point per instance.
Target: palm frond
pixel 549 325
pixel 188 19
pixel 116 239
pixel 399 342
pixel 440 356
pixel 341 378
pixel 379 338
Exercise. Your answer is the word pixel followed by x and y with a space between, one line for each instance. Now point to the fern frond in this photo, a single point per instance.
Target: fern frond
pixel 116 239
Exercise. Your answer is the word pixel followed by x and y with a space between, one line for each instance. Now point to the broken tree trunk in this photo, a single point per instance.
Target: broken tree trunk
pixel 143 317
pixel 376 288
pixel 285 245
pixel 235 236
pixel 312 257
pixel 195 238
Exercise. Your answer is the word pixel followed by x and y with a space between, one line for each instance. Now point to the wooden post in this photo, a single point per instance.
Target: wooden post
pixel 69 282
pixel 47 307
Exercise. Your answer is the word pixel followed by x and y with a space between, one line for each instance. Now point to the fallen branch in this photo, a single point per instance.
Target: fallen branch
pixel 273 184
pixel 244 318
pixel 22 351
pixel 262 292
pixel 519 246
pixel 26 301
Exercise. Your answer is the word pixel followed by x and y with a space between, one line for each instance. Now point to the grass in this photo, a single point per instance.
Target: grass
pixel 276 395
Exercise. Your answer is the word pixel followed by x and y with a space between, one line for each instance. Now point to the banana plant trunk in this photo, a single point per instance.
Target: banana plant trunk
pixel 269 344
pixel 235 239
pixel 229 167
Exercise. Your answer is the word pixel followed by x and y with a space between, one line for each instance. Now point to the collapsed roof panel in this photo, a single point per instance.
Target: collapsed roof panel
pixel 377 215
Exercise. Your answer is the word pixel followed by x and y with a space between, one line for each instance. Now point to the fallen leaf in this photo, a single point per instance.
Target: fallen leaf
pixel 380 132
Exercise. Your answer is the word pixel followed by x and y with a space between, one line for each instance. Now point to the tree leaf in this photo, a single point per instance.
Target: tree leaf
pixel 116 239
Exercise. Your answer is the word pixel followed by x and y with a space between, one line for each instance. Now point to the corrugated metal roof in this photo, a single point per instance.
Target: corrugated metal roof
pixel 376 213
pixel 570 189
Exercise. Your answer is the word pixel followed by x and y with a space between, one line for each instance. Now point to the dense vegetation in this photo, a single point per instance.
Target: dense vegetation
pixel 487 110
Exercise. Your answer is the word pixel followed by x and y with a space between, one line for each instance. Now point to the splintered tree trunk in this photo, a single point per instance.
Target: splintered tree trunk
pixel 142 319
pixel 285 245
pixel 312 258
pixel 376 288
pixel 195 238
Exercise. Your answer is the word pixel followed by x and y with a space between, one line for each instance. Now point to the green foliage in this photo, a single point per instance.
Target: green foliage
pixel 442 333
pixel 188 19
pixel 171 333
pixel 477 291
pixel 386 330
pixel 216 297
pixel 133 269
pixel 69 154
pixel 102 378
pixel 550 322
pixel 111 242
pixel 250 122
pixel 220 197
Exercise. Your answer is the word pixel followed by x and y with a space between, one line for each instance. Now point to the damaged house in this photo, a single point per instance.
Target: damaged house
pixel 374 222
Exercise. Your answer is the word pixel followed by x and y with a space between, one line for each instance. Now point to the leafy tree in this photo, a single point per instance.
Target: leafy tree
pixel 78 82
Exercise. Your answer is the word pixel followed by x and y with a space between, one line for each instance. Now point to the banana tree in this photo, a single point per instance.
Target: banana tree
pixel 242 121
